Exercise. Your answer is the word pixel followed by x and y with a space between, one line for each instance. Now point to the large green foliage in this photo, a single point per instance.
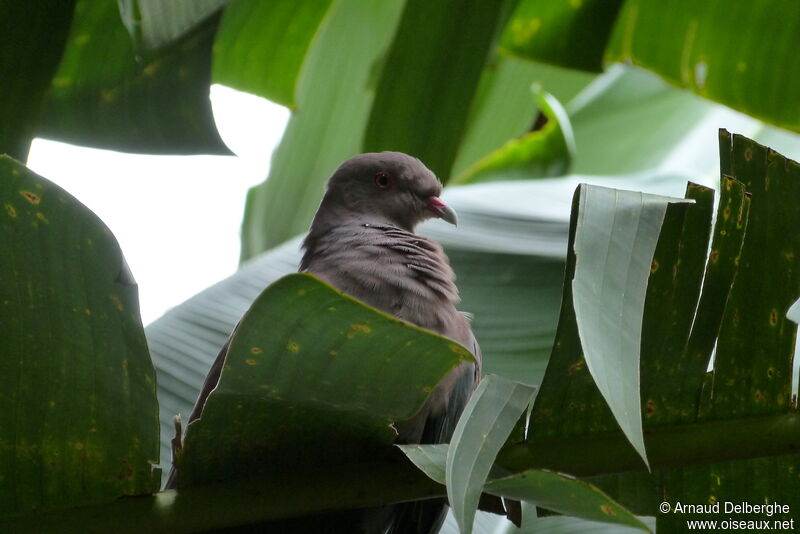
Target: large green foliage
pixel 476 101
pixel 78 407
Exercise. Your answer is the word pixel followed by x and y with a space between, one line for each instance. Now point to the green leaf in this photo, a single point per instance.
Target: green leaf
pixel 554 491
pixel 78 413
pixel 793 314
pixel 565 495
pixel 261 45
pixel 543 152
pixel 153 23
pixel 328 369
pixel 430 77
pixel 615 237
pixel 668 371
pixel 753 365
pixel 719 51
pixel 569 33
pixel 31 43
pixel 431 459
pixel 335 100
pixel 503 108
pixel 488 418
pixel 629 121
pixel 721 269
pixel 104 95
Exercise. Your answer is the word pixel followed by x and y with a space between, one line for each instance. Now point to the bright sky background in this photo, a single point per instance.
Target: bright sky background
pixel 177 218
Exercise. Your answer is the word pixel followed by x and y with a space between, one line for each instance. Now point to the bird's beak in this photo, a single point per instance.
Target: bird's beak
pixel 442 210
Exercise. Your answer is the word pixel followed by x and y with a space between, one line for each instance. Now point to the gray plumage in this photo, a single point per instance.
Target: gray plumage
pixel 362 242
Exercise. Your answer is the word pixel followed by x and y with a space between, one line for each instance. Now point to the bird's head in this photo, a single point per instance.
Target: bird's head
pixel 388 187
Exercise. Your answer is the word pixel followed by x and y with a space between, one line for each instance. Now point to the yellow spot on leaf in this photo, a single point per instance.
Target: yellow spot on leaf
pixel 79 446
pixel 576 3
pixel 606 509
pixel 524 30
pixel 62 81
pixel 250 361
pixel 331 308
pixel 654 265
pixel 334 353
pixel 33 198
pixel 41 217
pixel 108 95
pixel 256 350
pixel 151 69
pixel 87 311
pixel 52 404
pixel 351 335
pixel 711 498
pixel 427 389
pixel 10 210
pixel 293 347
pixel 741 66
pixel 82 39
pixel 117 302
pixel 361 328
pixel 458 349
pixel 301 292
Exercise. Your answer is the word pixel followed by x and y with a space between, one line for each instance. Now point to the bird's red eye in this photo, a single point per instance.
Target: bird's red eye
pixel 382 180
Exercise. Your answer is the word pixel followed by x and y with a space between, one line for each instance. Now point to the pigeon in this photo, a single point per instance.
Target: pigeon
pixel 362 241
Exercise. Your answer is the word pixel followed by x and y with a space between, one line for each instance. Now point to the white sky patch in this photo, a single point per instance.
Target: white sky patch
pixel 177 218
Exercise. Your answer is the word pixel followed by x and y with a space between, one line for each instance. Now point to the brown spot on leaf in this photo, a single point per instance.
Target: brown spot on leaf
pixel 33 198
pixel 293 347
pixel 10 210
pixel 748 154
pixel 606 509
pixel 250 361
pixel 650 407
pixel 361 328
pixel 654 265
pixel 714 256
pixel 575 367
pixel 773 317
pixel 127 472
pixel 256 350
